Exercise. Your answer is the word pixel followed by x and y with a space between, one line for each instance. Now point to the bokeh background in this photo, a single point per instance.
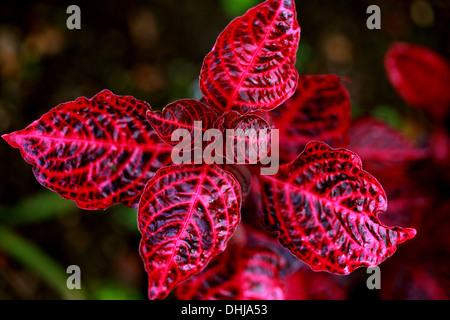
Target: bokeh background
pixel 153 50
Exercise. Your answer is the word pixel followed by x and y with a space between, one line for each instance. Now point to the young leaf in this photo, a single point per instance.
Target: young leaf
pixel 181 115
pixel 325 207
pixel 97 152
pixel 319 110
pixel 250 137
pixel 187 214
pixel 421 77
pixel 252 65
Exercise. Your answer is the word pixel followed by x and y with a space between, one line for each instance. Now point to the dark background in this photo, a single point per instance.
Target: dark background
pixel 153 50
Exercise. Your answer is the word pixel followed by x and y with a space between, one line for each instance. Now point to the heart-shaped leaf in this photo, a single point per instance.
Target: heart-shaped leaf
pixel 245 271
pixel 187 214
pixel 319 110
pixel 97 152
pixel 325 207
pixel 248 135
pixel 421 77
pixel 182 114
pixel 252 65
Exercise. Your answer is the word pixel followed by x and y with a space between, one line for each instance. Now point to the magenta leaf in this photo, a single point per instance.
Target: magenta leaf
pixel 421 77
pixel 181 115
pixel 245 271
pixel 97 152
pixel 252 65
pixel 250 138
pixel 325 207
pixel 187 214
pixel 318 111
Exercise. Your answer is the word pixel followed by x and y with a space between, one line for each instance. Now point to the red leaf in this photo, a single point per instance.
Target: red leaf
pixel 380 146
pixel 421 269
pixel 181 115
pixel 248 271
pixel 187 214
pixel 324 208
pixel 98 151
pixel 242 175
pixel 318 111
pixel 252 65
pixel 251 138
pixel 305 284
pixel 421 77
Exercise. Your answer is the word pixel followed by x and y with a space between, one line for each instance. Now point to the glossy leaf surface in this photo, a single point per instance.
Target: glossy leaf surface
pixel 318 111
pixel 251 67
pixel 97 152
pixel 187 214
pixel 421 77
pixel 325 207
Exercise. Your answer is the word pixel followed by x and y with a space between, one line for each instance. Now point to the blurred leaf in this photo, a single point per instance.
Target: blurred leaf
pixel 37 261
pixel 304 56
pixel 126 217
pixel 389 115
pixel 181 75
pixel 44 205
pixel 114 291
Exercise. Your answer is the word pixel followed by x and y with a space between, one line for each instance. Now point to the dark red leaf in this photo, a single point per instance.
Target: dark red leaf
pixel 251 138
pixel 242 175
pixel 97 152
pixel 390 156
pixel 382 147
pixel 187 214
pixel 248 271
pixel 252 65
pixel 305 284
pixel 325 207
pixel 421 77
pixel 420 270
pixel 181 115
pixel 318 111
pixel 440 151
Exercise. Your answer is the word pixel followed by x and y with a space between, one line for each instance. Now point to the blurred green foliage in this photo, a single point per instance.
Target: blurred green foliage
pixel 235 8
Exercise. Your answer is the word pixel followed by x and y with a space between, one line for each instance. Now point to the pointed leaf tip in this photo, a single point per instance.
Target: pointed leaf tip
pixel 325 209
pixel 97 152
pixel 255 72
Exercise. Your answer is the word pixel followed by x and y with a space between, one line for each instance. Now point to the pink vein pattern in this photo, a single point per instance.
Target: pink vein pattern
pixel 325 209
pixel 247 271
pixel 319 110
pixel 181 115
pixel 97 152
pixel 252 65
pixel 187 214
